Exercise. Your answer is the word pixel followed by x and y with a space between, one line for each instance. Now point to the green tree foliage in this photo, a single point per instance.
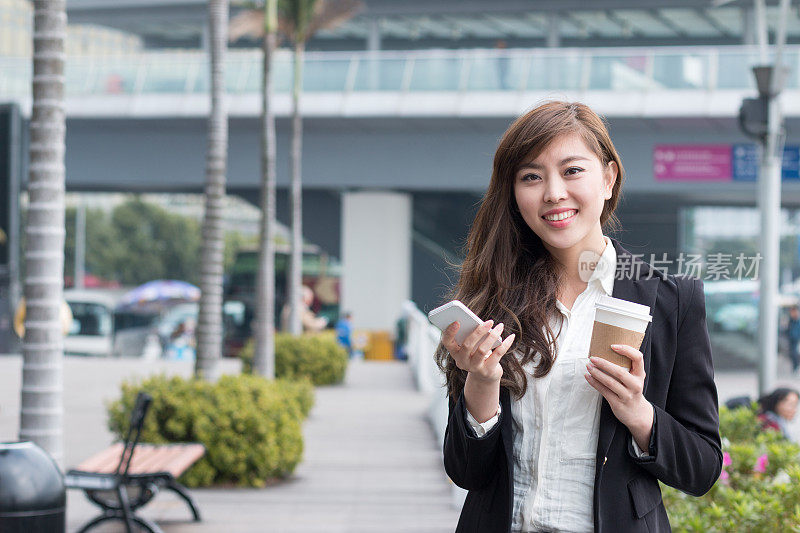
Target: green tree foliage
pixel 156 245
pixel 140 241
pixel 100 239
pixel 235 241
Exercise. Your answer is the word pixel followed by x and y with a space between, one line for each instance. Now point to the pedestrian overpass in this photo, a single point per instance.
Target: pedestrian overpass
pixel 474 83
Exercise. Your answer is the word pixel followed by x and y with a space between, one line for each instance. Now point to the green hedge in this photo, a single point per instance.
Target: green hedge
pixel 317 357
pixel 759 489
pixel 251 427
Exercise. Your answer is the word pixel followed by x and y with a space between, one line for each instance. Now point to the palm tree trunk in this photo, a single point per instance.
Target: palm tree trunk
pixel 209 328
pixel 296 268
pixel 264 355
pixel 41 414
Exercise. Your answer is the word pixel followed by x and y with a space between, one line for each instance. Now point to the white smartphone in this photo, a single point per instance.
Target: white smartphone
pixel 455 311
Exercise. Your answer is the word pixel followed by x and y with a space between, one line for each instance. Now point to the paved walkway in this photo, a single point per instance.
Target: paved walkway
pixel 371 463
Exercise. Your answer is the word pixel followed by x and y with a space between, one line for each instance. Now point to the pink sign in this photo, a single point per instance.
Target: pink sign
pixel 686 162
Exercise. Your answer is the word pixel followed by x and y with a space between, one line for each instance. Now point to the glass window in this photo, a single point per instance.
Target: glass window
pixel 128 320
pixel 90 319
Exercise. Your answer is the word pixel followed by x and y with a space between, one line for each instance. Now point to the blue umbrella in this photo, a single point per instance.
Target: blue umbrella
pixel 160 291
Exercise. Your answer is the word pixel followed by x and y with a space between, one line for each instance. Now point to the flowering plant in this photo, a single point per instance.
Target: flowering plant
pixel 758 489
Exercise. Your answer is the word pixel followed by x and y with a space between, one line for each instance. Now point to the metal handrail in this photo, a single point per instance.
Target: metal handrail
pixel 422 340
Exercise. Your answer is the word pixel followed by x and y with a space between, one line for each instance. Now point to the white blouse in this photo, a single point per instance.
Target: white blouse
pixel 556 422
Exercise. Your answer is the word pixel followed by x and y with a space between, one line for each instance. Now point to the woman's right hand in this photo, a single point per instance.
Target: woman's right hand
pixel 475 355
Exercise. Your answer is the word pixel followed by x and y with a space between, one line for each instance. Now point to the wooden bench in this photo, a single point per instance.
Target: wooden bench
pixel 127 475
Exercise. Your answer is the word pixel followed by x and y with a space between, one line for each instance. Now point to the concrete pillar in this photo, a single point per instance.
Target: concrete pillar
pixel 373 47
pixel 374 35
pixel 205 38
pixel 376 257
pixel 553 34
pixel 748 25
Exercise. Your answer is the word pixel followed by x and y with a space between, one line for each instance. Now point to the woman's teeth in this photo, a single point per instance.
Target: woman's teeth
pixel 560 216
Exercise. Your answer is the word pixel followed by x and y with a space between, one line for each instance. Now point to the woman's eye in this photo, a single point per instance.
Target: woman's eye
pixel 530 177
pixel 574 170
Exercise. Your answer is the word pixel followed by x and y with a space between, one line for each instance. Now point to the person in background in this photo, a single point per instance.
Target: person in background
pixel 778 409
pixel 344 331
pixel 401 337
pixel 311 322
pixel 182 341
pixel 793 332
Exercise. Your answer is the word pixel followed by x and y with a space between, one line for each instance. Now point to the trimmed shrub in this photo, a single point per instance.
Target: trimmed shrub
pixel 300 391
pixel 758 490
pixel 317 357
pixel 251 427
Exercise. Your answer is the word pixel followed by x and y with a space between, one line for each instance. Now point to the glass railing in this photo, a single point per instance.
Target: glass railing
pixel 589 69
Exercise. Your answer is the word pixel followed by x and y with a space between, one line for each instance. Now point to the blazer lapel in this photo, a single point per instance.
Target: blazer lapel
pixel 630 283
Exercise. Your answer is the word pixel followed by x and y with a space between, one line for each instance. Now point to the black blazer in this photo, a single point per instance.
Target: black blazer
pixel 685 444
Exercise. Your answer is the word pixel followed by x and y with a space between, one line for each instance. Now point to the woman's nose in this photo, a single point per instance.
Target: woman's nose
pixel 555 190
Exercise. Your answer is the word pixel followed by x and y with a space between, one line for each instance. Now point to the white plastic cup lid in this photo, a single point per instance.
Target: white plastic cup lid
pixel 624 306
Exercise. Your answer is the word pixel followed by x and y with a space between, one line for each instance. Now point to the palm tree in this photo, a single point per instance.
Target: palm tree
pixel 264 354
pixel 264 350
pixel 209 327
pixel 303 18
pixel 41 414
pixel 299 21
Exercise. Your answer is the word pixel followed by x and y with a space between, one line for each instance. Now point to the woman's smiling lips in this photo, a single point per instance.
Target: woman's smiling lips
pixel 564 222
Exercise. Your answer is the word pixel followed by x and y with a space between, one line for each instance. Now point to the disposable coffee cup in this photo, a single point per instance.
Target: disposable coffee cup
pixel 618 322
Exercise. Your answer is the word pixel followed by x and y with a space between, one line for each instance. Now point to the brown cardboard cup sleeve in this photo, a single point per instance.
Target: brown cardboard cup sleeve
pixel 604 335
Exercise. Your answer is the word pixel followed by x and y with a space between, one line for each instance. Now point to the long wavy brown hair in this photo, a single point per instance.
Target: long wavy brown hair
pixel 508 275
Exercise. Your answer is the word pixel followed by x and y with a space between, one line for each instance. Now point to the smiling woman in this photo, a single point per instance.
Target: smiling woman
pixel 563 187
pixel 545 436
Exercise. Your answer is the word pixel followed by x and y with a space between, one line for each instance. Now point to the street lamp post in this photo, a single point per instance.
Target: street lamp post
pixel 769 204
pixel 761 118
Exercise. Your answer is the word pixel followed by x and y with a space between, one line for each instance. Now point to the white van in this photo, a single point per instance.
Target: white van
pixel 92 329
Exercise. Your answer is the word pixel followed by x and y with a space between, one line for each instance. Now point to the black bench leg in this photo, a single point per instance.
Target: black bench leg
pixel 122 494
pixel 181 491
pixel 102 518
pixel 146 524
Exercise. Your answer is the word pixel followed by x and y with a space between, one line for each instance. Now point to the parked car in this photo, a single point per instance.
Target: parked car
pixel 149 331
pixel 146 331
pixel 732 311
pixel 136 332
pixel 92 329
pixel 737 317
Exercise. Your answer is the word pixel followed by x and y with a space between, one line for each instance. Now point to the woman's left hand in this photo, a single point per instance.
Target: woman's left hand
pixel 623 388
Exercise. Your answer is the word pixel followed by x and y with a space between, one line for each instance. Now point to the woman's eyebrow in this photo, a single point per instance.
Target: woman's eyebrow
pixel 564 161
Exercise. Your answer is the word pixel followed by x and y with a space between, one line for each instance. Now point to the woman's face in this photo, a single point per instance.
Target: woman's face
pixel 569 180
pixel 787 407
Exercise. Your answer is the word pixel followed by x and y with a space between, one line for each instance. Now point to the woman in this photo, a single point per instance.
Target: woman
pixel 543 438
pixel 777 409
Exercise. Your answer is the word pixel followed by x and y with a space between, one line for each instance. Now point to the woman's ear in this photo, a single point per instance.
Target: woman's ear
pixel 610 178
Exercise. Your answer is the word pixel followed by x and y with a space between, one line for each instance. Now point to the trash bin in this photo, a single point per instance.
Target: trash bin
pixel 32 493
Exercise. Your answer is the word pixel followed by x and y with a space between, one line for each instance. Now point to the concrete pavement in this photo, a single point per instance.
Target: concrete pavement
pixel 370 463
